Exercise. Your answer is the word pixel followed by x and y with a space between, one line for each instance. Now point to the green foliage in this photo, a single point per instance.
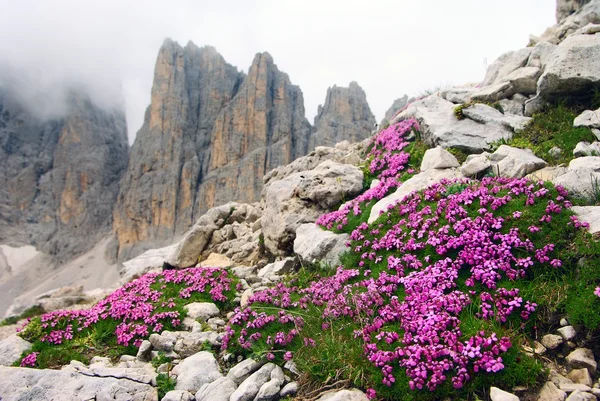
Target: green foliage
pixel 458 110
pixel 553 127
pixel 417 150
pixel 460 155
pixel 164 384
pixel 33 311
pixel 160 359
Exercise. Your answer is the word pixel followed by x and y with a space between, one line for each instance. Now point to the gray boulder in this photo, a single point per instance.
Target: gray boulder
pixel 497 394
pixel 541 54
pixel 270 390
pixel 515 163
pixel 243 370
pixel 551 393
pixel 485 114
pixel 476 164
pixel 582 358
pixel 313 243
pixel 178 395
pixel 202 310
pixel 21 384
pixel 11 349
pixel 344 395
pixel 302 197
pixel 589 119
pixel 439 126
pixel 439 158
pixel 195 371
pixel 581 182
pixel 505 65
pixel 587 149
pixel 151 260
pixel 250 387
pixel 219 390
pixel 574 67
pixel 279 268
pixel 458 95
pixel 515 105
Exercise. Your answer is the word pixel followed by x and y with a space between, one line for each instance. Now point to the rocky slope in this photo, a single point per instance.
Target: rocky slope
pixel 209 136
pixel 59 178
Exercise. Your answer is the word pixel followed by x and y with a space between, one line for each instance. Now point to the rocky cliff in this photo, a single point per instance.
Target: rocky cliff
pixel 564 8
pixel 210 135
pixel 59 178
pixel 344 116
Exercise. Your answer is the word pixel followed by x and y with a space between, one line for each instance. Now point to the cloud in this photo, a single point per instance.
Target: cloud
pixel 388 47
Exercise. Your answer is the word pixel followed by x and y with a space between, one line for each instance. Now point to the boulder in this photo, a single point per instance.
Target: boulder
pixel 137 371
pixel 485 114
pixel 581 376
pixel 202 310
pixel 573 69
pixel 438 158
pixel 270 390
pixel 541 54
pixel 580 182
pixel 302 197
pixel 216 260
pixel 313 243
pixel 551 341
pixel 524 80
pixel 289 389
pixel 551 393
pixel 48 385
pixel 494 92
pixel 514 162
pixel 151 260
pixel 11 349
pixel 178 395
pixel 439 126
pixel 195 371
pixel 515 105
pixel 585 163
pixel 476 164
pixel 219 390
pixel 582 358
pixel 415 183
pixel 587 149
pixel 144 351
pixel 279 268
pixel 250 387
pixel 243 370
pixel 579 395
pixel 567 333
pixel 547 173
pixel 500 395
pixel 589 119
pixel 505 65
pixel 589 214
pixel 458 95
pixel 344 395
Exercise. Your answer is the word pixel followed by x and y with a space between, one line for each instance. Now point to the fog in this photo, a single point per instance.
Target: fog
pixel 390 48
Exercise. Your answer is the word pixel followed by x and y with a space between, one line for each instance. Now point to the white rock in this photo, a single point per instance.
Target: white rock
pixel 143 353
pixel 524 80
pixel 541 54
pixel 245 298
pixel 475 165
pixel 573 68
pixel 195 371
pixel 494 92
pixel 551 393
pixel 219 390
pixel 313 243
pixel 589 29
pixel 587 149
pixel 485 114
pixel 581 376
pixel 439 126
pixel 505 65
pixel 344 395
pixel 24 384
pixel 585 163
pixel 178 395
pixel 270 390
pixel 580 182
pixel 202 310
pixel 582 358
pixel 457 94
pixel 438 158
pixel 570 387
pixel 500 395
pixel 588 118
pixel 567 333
pixel 11 349
pixel 243 370
pixel 217 260
pixel 279 268
pixel 581 396
pixel 415 183
pixel 515 163
pixel 289 389
pixel 151 260
pixel 564 322
pixel 590 215
pixel 249 388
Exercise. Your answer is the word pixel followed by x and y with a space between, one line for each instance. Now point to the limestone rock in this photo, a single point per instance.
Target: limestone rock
pixel 439 126
pixel 505 65
pixel 548 173
pixel 588 118
pixel 47 385
pixel 302 197
pixel 289 389
pixel 279 268
pixel 398 105
pixel 270 390
pixel 589 214
pixel 578 395
pixel 219 390
pixel 143 353
pixel 500 395
pixel 571 387
pixel 148 261
pixel 140 372
pixel 250 387
pixel 344 116
pixel 581 376
pixel 201 310
pixel 485 114
pixel 243 370
pixel 475 164
pixel 515 105
pixel 574 67
pixel 217 260
pixel 458 94
pixel 551 393
pixel 344 395
pixel 541 54
pixel 515 163
pixel 579 182
pixel 312 244
pixel 588 162
pixel 582 358
pixel 415 183
pixel 11 349
pixel 60 175
pixel 195 371
pixel 178 395
pixel 587 149
pixel 564 8
pixel 438 158
pixel 567 333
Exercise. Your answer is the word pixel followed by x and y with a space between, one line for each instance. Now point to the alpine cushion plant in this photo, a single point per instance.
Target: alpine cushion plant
pixel 149 304
pixel 387 162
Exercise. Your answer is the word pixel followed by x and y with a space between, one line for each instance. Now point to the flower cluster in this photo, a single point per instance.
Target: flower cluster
pixel 418 267
pixel 29 360
pixel 388 160
pixel 140 307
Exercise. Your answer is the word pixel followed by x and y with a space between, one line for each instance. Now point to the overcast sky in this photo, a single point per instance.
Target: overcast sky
pixel 388 47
